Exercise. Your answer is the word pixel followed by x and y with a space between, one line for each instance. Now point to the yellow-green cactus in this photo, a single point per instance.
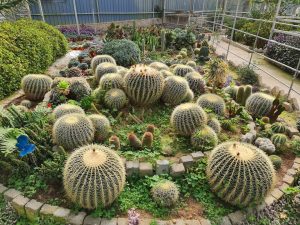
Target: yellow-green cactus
pixel 111 80
pixel 204 139
pixel 159 66
pixel 104 68
pixel 101 59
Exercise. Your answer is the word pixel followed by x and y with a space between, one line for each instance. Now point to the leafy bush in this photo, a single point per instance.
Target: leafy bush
pixel 184 38
pixel 125 52
pixel 247 75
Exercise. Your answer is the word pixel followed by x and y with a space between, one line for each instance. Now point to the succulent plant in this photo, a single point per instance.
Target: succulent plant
pixel 187 117
pixel 72 131
pixel 114 142
pixel 231 91
pixel 101 125
pixel 93 176
pixel 111 80
pixel 276 161
pixel 73 72
pixel 175 90
pixel 213 102
pixel 65 109
pixel 240 173
pixel 182 70
pixel 98 59
pixel 165 193
pixel 265 119
pixel 98 95
pixel 115 99
pixel 279 140
pixel 259 104
pixel 143 85
pixel 183 54
pixel 189 96
pixel 134 141
pixel 159 66
pixel 243 93
pixel 214 124
pixel 104 68
pixel 150 128
pixel 196 82
pixel 166 73
pixel 278 127
pixel 26 103
pixel 147 140
pixel 191 64
pixel 83 66
pixel 204 139
pixel 35 86
pixel 265 144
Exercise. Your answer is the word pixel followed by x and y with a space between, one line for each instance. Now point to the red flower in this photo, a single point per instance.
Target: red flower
pixel 49 105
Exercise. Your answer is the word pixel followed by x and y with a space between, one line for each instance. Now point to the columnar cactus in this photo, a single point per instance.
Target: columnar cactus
pixel 104 68
pixel 101 125
pixel 111 80
pixel 212 102
pixel 143 85
pixel 214 124
pixel 187 117
pixel 243 93
pixel 114 142
pixel 196 83
pixel 204 139
pixel 278 127
pixel 134 141
pixel 175 90
pixel 165 193
pixel 101 59
pixel 72 131
pixel 151 128
pixel 159 66
pixel 65 109
pixel 115 99
pixel 182 70
pixel 93 176
pixel 276 161
pixel 35 86
pixel 259 104
pixel 191 64
pixel 166 73
pixel 279 140
pixel 240 173
pixel 147 140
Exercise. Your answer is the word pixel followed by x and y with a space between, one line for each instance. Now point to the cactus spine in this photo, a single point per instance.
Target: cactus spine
pixel 204 139
pixel 175 90
pixel 147 140
pixel 101 59
pixel 182 70
pixel 212 102
pixel 115 99
pixel 104 68
pixel 111 80
pixel 101 125
pixel 65 109
pixel 114 142
pixel 165 193
pixel 259 104
pixel 134 141
pixel 196 83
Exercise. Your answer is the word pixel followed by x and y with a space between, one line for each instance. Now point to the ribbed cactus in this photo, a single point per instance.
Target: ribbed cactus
pixel 259 104
pixel 214 124
pixel 189 96
pixel 93 176
pixel 98 95
pixel 122 70
pixel 196 82
pixel 187 117
pixel 278 127
pixel 65 109
pixel 204 139
pixel 101 125
pixel 35 86
pixel 175 90
pixel 182 70
pixel 115 99
pixel 159 66
pixel 101 59
pixel 111 80
pixel 144 85
pixel 279 140
pixel 134 141
pixel 147 140
pixel 276 161
pixel 72 131
pixel 104 68
pixel 26 103
pixel 243 93
pixel 213 102
pixel 79 88
pixel 165 193
pixel 240 173
pixel 191 64
pixel 231 91
pixel 114 142
pixel 73 72
pixel 166 73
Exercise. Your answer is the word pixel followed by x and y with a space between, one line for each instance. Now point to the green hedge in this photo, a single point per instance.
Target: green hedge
pixel 27 46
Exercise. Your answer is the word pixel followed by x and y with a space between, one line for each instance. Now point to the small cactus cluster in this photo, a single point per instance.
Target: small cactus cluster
pixel 175 90
pixel 165 193
pixel 182 70
pixel 159 66
pixel 65 109
pixel 101 125
pixel 104 68
pixel 259 104
pixel 115 99
pixel 278 128
pixel 147 140
pixel 187 117
pixel 214 124
pixel 243 93
pixel 93 176
pixel 265 144
pixel 279 140
pixel 134 141
pixel 191 64
pixel 204 139
pixel 196 82
pixel 143 85
pixel 114 142
pixel 101 59
pixel 35 86
pixel 111 80
pixel 212 102
pixel 276 161
pixel 240 173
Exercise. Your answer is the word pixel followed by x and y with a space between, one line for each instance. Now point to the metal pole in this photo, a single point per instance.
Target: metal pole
pixel 94 21
pixel 223 13
pixel 255 43
pixel 76 16
pixel 153 14
pixel 294 78
pixel 190 11
pixel 98 11
pixel 41 10
pixel 164 11
pixel 217 3
pixel 274 20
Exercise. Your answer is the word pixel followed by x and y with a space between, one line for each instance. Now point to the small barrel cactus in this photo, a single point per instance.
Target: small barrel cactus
pixel 265 119
pixel 73 72
pixel 204 139
pixel 98 95
pixel 231 91
pixel 159 66
pixel 101 125
pixel 259 104
pixel 214 124
pixel 114 142
pixel 147 140
pixel 134 141
pixel 35 86
pixel 279 140
pixel 122 70
pixel 93 176
pixel 182 70
pixel 65 109
pixel 175 90
pixel 72 131
pixel 213 102
pixel 101 59
pixel 266 145
pixel 189 96
pixel 27 103
pixel 278 127
pixel 276 161
pixel 115 99
pixel 144 85
pixel 79 88
pixel 187 117
pixel 196 83
pixel 165 193
pixel 111 80
pixel 191 64
pixel 104 68
pixel 240 173
pixel 166 73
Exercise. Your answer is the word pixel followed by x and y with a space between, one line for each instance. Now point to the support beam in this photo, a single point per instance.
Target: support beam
pixel 76 17
pixel 41 10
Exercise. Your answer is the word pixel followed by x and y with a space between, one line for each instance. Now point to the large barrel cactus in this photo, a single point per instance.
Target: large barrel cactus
pixel 175 90
pixel 115 99
pixel 104 68
pixel 182 70
pixel 144 85
pixel 187 117
pixel 111 80
pixel 65 109
pixel 101 125
pixel 93 176
pixel 159 66
pixel 204 139
pixel 213 102
pixel 259 104
pixel 35 86
pixel 101 59
pixel 72 131
pixel 196 83
pixel 165 193
pixel 240 173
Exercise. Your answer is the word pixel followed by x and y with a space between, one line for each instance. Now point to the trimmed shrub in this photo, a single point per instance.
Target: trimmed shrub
pixel 247 75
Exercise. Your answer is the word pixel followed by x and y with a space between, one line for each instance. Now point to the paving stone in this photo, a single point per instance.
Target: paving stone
pixel 291 172
pixel 2 188
pixel 225 221
pixel 145 222
pixel 146 169
pixel 132 167
pixel 61 214
pixel 296 166
pixel 19 203
pixel 294 103
pixel 269 200
pixel 287 106
pixel 48 210
pixel 288 179
pixel 122 221
pixel 283 187
pixel 77 219
pixel 89 220
pixel 197 155
pixel 251 126
pixel 292 131
pixel 179 222
pixel 187 161
pixel 192 222
pixel 236 217
pixel 32 209
pixel 297 160
pixel 10 194
pixel 277 193
pixel 109 222
pixel 162 166
pixel 248 137
pixel 204 221
pixel 177 169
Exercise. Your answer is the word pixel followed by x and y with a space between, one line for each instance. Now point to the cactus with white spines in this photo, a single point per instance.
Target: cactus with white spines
pixel 204 139
pixel 111 80
pixel 191 64
pixel 104 68
pixel 182 70
pixel 165 193
pixel 101 59
pixel 101 125
pixel 115 99
pixel 279 140
pixel 189 96
pixel 175 90
pixel 122 70
pixel 65 109
pixel 79 88
pixel 166 73
pixel 278 127
pixel 214 124
pixel 159 66
pixel 259 104
pixel 212 102
pixel 196 82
